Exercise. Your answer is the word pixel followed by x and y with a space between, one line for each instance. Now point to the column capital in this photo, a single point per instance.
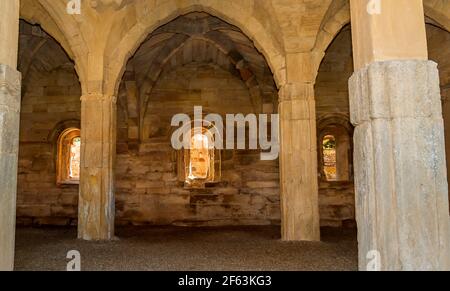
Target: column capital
pixel 395 89
pixel 303 66
pixel 98 97
pixel 296 91
pixel 399 162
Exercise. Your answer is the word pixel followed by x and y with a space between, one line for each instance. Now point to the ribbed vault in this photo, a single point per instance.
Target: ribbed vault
pixel 40 54
pixel 196 38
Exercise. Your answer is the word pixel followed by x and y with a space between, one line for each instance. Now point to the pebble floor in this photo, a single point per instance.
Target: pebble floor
pixel 186 249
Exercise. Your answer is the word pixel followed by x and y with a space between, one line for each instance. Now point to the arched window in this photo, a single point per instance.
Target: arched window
pixel 68 157
pixel 199 157
pixel 335 152
pixel 329 157
pixel 200 164
pixel 74 163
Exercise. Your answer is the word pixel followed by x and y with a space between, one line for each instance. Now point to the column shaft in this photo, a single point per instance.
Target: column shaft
pixel 298 164
pixel 400 172
pixel 98 150
pixel 10 80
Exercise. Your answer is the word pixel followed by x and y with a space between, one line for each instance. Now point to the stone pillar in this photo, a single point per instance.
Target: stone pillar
pixel 10 80
pixel 400 172
pixel 98 150
pixel 298 163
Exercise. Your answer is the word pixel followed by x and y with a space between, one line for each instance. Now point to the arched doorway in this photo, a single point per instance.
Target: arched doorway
pixel 194 60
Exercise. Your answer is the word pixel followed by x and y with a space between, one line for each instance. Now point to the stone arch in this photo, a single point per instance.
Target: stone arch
pixel 60 127
pixel 230 12
pixel 246 75
pixel 438 11
pixel 335 119
pixel 235 59
pixel 173 45
pixel 338 16
pixel 52 17
pixel 40 53
pixel 34 13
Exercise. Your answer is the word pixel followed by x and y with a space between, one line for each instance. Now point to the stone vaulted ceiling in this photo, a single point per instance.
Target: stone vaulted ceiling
pixel 200 38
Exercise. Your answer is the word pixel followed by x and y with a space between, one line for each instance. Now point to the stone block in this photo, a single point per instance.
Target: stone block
pixel 411 97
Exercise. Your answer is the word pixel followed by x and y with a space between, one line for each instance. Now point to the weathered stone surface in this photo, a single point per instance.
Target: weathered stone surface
pixel 43 118
pixel 9 145
pixel 108 32
pixel 298 164
pixel 400 171
pixel 147 187
pixel 336 203
pixel 98 151
pixel 50 98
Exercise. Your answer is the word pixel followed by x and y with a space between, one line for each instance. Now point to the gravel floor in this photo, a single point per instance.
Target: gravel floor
pixel 183 249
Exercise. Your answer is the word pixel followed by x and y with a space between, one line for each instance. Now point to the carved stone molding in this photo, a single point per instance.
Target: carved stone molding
pixel 98 97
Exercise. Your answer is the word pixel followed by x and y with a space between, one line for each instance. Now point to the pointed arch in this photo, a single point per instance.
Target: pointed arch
pixel 338 16
pixel 230 12
pixel 52 17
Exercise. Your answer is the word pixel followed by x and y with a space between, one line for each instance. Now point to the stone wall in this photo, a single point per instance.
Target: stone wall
pixel 50 96
pixel 147 186
pixel 148 190
pixel 337 204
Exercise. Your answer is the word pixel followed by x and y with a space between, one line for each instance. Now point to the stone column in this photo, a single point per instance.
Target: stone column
pixel 98 150
pixel 10 80
pixel 400 172
pixel 298 163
